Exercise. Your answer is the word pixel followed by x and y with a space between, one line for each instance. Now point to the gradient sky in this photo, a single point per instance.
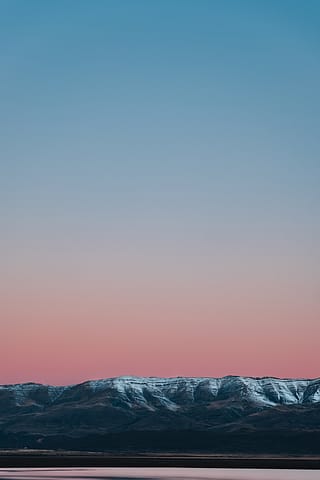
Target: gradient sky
pixel 159 188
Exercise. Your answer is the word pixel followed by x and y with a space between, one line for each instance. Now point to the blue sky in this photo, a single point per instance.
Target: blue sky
pixel 160 134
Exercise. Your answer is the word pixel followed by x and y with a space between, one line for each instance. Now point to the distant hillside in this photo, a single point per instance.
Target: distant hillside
pixel 230 414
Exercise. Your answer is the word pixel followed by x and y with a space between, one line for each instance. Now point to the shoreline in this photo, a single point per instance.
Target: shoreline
pixel 61 459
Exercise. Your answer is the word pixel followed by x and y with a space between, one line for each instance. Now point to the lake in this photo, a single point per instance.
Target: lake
pixel 155 474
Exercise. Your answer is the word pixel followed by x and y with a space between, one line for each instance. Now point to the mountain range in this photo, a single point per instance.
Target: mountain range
pixel 224 415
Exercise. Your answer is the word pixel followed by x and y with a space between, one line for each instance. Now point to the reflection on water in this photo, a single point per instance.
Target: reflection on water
pixel 155 474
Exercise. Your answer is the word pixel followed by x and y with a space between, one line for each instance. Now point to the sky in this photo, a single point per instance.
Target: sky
pixel 159 189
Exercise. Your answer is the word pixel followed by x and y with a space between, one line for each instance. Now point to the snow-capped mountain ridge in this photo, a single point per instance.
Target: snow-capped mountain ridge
pixel 173 393
pixel 184 413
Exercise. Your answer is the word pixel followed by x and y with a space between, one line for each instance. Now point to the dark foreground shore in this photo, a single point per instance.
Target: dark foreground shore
pixel 33 459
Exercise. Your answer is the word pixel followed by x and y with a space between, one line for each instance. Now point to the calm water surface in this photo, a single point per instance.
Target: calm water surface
pixel 155 474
